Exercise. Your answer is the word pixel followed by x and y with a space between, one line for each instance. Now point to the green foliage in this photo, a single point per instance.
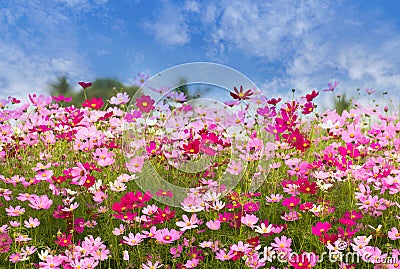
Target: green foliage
pixel 342 104
pixel 61 87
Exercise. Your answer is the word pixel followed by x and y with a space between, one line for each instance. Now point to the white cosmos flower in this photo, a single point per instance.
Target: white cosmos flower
pixel 262 229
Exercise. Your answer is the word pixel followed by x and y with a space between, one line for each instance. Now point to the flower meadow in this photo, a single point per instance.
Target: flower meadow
pixel 76 191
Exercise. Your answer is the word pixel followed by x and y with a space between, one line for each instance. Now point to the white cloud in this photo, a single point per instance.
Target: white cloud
pixel 315 42
pixel 191 5
pixel 21 73
pixel 170 27
pixel 40 41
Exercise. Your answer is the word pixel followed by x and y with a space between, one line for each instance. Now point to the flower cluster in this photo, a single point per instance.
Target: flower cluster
pixel 70 195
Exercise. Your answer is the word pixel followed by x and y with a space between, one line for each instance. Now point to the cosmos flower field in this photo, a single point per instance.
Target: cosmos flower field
pixel 309 188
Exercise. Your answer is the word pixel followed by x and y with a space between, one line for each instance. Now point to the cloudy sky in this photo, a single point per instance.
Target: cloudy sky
pixel 279 45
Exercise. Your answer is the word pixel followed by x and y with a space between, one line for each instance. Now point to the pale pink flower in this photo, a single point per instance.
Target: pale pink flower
pixel 99 197
pixel 274 198
pixel 40 202
pixel 133 240
pixel 213 225
pixel 151 233
pixel 125 255
pixel 28 250
pixel 241 247
pixel 31 223
pixel 223 256
pixel 360 242
pixel 104 157
pixel 6 193
pixel 135 164
pixel 192 263
pixel 234 167
pixel 187 224
pixel 120 99
pixel 192 204
pixel 24 196
pixel 44 175
pixel 71 207
pixel 15 211
pixel 166 236
pixel 119 231
pixel 51 262
pixel 282 244
pixel 150 210
pixel 14 223
pixel 394 234
pixel 249 220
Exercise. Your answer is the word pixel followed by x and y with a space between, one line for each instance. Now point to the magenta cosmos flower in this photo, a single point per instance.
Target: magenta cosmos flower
pixel 145 103
pixel 94 103
pixel 85 85
pixel 320 228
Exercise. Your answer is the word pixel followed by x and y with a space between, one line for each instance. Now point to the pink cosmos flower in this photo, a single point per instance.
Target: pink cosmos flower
pixel 282 244
pixel 187 224
pixel 28 250
pixel 241 247
pixel 104 157
pixel 31 223
pixel 51 262
pixel 135 164
pixel 151 233
pixel 166 236
pixel 234 167
pixel 121 98
pixel 176 252
pixel 99 197
pixel 223 256
pixel 44 175
pixel 6 193
pixel 192 204
pixel 291 216
pixel 274 198
pixel 15 211
pixel 14 223
pixel 133 240
pixel 192 263
pixel 145 103
pixel 331 87
pixel 360 242
pixel 394 234
pixel 15 257
pixel 213 224
pixel 141 79
pixel 249 220
pixel 62 98
pixel 79 174
pixel 40 202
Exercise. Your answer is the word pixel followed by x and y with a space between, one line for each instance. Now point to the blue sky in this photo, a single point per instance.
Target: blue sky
pixel 279 45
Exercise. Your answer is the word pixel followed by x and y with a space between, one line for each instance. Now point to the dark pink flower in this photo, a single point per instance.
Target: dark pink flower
pixel 291 202
pixel 94 103
pixel 145 103
pixel 62 98
pixel 85 85
pixel 320 228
